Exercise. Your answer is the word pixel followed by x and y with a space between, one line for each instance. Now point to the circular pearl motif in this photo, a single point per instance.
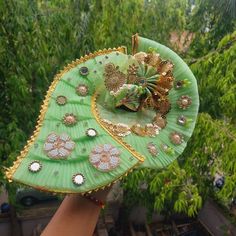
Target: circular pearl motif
pixel 184 102
pixel 83 70
pixel 82 90
pixel 35 166
pixel 78 179
pixel 91 132
pixel 61 100
pixel 176 138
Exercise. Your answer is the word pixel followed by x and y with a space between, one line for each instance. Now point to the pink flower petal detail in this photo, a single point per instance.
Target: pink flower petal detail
pixel 69 145
pixel 94 158
pixel 103 166
pixel 114 161
pixel 52 137
pixel 53 153
pixel 63 152
pixel 114 151
pixel 48 146
pixel 98 149
pixel 107 147
pixel 64 137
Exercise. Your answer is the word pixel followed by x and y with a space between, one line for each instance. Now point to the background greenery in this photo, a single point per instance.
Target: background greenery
pixel 38 38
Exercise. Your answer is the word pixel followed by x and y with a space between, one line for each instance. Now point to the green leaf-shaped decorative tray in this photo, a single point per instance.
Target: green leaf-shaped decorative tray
pixel 106 114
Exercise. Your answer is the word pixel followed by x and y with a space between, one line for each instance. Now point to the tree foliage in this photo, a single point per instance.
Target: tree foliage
pixel 216 73
pixel 211 20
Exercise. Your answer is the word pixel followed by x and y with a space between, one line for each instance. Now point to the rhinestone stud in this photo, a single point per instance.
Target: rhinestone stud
pixel 91 132
pixel 78 179
pixel 35 166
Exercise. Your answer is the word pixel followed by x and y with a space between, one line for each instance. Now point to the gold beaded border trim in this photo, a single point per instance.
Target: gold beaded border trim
pixel 113 135
pixel 11 170
pixel 64 191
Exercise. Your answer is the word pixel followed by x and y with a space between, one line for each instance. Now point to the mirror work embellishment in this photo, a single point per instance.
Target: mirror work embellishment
pixel 83 70
pixel 78 179
pixel 35 166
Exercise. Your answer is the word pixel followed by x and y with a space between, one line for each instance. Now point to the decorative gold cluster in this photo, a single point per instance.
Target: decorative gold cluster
pixel 154 87
pixel 114 78
pixel 122 130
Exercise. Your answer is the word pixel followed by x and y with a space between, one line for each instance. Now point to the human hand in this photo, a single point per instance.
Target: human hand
pixel 77 215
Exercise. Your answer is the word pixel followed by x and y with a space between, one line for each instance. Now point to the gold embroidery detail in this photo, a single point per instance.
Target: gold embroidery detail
pixel 114 78
pixel 122 130
pixel 117 138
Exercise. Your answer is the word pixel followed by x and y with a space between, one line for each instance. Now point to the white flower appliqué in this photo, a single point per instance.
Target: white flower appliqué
pixel 105 157
pixel 58 146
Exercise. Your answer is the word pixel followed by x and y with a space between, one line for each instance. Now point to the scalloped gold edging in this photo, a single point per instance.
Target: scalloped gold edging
pixel 11 170
pixel 117 138
pixel 82 193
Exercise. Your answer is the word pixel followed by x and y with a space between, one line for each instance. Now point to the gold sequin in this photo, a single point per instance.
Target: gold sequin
pixel 176 138
pixel 69 119
pixel 61 100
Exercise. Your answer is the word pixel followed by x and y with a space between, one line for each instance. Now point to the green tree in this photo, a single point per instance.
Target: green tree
pixel 211 20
